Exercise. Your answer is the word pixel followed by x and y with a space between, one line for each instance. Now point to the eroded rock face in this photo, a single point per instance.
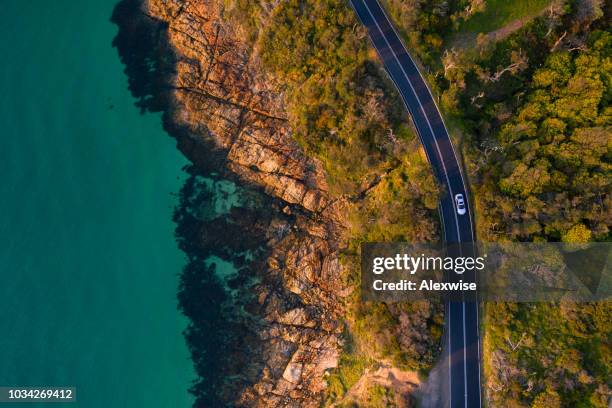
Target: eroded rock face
pixel 220 93
pixel 227 118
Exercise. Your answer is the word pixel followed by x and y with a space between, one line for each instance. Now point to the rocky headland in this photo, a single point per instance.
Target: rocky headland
pixel 271 332
pixel 270 343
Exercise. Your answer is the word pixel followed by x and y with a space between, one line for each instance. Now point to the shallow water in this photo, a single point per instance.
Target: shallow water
pixel 88 260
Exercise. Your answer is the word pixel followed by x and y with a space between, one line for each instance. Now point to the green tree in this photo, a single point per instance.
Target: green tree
pixel 547 399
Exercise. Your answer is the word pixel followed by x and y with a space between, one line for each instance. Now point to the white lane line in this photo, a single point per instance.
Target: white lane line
pixel 422 111
pixel 450 188
pixel 439 114
pixel 410 111
pixel 464 189
pixel 443 165
pixel 468 205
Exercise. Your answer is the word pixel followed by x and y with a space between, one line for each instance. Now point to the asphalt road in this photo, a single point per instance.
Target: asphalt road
pixel 463 388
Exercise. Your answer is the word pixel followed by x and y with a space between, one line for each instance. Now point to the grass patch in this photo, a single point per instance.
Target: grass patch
pixel 499 13
pixel 380 397
pixel 351 366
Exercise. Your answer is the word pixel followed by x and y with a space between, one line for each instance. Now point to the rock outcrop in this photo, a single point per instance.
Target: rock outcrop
pixel 184 60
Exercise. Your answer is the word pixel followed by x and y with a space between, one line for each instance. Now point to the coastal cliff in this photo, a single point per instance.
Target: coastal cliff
pixel 313 178
pixel 228 118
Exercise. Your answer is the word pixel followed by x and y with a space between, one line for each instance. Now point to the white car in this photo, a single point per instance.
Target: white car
pixel 460 204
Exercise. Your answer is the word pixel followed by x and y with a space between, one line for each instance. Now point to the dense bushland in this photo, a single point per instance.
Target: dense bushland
pixel 530 107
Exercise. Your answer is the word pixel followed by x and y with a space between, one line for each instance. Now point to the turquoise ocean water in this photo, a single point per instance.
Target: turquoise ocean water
pixel 88 262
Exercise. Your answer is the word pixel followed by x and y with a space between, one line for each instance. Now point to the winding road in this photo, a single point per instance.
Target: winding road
pixel 462 387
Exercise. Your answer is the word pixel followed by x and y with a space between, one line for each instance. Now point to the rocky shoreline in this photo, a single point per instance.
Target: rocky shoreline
pixel 270 343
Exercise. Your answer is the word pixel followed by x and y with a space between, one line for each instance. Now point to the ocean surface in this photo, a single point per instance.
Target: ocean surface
pixel 88 262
